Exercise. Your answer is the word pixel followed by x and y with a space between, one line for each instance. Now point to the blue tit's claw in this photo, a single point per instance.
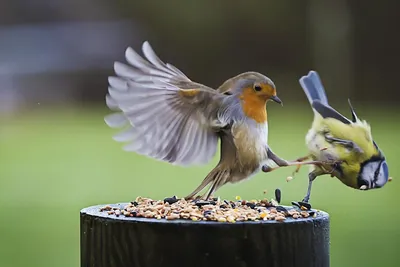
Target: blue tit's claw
pixel 294 203
pixel 303 205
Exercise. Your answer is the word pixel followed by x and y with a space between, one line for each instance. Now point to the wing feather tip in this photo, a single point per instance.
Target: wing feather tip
pixel 118 67
pixel 129 51
pixel 129 148
pixel 115 120
pixel 146 45
pixel 112 103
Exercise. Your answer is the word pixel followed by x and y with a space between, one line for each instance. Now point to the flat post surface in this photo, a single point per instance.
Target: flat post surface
pixel 110 241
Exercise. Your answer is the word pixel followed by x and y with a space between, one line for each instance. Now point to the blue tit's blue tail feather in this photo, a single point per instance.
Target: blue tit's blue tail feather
pixel 316 95
pixel 313 88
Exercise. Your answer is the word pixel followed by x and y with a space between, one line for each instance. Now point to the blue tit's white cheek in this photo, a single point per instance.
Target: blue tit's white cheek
pixel 368 173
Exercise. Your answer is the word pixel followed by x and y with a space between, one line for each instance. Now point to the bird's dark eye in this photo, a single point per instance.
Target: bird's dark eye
pixel 257 88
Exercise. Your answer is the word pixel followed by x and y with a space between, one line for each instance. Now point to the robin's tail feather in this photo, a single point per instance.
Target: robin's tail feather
pixel 313 88
pixel 217 177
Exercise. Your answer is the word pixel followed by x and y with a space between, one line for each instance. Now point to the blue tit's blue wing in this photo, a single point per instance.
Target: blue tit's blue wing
pixel 328 112
pixel 313 88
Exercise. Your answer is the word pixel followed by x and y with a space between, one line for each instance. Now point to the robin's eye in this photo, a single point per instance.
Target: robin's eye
pixel 257 88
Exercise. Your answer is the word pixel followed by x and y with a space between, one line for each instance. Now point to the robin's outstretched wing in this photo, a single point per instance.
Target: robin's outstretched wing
pixel 167 116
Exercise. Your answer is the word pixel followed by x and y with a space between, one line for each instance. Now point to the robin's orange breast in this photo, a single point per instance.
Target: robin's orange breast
pixel 254 106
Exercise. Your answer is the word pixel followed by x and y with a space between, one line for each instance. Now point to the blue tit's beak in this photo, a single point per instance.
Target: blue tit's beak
pixel 276 99
pixel 364 187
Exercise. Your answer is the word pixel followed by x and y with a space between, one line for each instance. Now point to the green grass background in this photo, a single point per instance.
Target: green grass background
pixel 55 161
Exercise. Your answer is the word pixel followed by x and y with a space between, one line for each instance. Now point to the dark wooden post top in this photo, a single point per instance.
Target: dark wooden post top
pixel 110 241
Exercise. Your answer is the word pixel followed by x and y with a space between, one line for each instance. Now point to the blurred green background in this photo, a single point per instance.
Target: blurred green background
pixel 57 155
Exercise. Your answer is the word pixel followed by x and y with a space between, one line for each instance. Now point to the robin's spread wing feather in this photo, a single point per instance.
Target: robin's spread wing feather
pixel 166 115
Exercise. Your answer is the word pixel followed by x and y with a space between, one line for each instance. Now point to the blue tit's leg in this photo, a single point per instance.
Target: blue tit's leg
pixel 347 143
pixel 311 177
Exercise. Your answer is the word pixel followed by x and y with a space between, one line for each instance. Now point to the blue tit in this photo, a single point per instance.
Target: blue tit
pixel 345 146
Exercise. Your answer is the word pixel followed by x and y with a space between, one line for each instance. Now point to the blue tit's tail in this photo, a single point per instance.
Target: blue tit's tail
pixel 313 88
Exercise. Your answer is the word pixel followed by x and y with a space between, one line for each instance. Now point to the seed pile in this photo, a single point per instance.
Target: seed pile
pixel 213 210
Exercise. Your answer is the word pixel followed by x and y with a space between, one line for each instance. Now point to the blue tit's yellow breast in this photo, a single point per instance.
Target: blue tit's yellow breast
pixel 359 133
pixel 321 149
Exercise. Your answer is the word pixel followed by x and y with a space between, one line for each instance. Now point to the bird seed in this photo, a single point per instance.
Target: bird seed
pixel 218 210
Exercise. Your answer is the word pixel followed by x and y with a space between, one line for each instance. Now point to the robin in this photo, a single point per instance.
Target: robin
pixel 171 118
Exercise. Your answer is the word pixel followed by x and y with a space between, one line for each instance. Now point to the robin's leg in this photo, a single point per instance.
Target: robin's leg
pixel 266 168
pixel 284 163
pixel 275 158
pixel 214 187
pixel 220 179
pixel 217 177
pixel 303 158
pixel 209 178
pixel 299 166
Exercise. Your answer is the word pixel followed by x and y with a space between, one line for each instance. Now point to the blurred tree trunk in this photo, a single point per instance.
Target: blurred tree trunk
pixel 330 26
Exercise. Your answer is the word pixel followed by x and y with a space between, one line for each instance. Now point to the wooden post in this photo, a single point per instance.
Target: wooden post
pixel 109 241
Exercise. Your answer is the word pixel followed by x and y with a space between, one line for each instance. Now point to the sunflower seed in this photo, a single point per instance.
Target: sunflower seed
pixel 282 209
pixel 278 195
pixel 203 203
pixel 171 200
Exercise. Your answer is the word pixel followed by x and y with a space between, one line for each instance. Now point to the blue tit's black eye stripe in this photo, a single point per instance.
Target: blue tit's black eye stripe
pixel 373 158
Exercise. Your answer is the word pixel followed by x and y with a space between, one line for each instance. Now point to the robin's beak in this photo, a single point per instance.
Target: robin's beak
pixel 276 99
